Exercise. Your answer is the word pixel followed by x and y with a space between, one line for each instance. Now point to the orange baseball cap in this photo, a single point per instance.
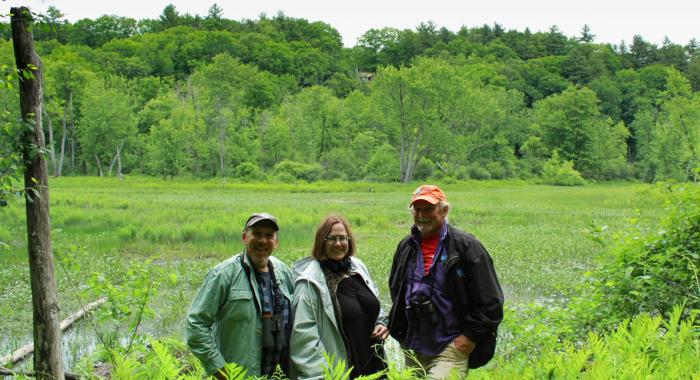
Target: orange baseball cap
pixel 429 193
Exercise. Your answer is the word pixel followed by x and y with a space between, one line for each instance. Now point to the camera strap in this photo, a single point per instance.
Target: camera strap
pixel 246 269
pixel 277 300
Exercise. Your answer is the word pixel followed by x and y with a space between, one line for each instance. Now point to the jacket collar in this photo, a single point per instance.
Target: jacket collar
pixel 415 232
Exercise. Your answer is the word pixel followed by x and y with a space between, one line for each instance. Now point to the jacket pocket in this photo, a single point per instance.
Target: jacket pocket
pixel 239 306
pixel 239 294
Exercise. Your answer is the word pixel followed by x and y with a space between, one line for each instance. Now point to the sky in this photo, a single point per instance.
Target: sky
pixel 611 21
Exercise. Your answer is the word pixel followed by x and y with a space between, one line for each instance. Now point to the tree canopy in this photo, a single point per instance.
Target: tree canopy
pixel 280 97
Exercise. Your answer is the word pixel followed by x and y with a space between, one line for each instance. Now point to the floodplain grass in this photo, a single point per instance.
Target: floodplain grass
pixel 536 234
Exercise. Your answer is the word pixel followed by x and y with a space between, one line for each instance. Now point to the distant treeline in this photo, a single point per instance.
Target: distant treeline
pixel 280 98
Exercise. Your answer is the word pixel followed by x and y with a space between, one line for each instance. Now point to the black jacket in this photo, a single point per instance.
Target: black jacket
pixel 473 288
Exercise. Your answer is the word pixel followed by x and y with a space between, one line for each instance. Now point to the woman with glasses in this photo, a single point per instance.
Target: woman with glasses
pixel 337 308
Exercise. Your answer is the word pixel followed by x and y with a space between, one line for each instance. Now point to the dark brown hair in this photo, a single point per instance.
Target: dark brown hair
pixel 318 251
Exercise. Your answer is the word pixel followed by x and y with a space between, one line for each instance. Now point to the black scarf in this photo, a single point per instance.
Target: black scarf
pixel 336 266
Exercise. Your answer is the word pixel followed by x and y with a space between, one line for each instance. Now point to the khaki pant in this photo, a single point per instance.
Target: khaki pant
pixel 451 363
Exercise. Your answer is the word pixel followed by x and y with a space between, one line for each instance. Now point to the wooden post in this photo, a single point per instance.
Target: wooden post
pixel 48 360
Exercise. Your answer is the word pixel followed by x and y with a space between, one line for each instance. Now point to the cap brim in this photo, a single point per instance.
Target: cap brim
pixel 262 221
pixel 426 198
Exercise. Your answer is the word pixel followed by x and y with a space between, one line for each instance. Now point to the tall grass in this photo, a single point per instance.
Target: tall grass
pixel 536 234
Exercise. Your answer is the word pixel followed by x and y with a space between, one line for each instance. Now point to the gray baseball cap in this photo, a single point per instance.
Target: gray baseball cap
pixel 262 218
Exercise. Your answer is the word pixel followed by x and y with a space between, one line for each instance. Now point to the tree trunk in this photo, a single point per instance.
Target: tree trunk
pixel 118 160
pixel 63 144
pixel 222 138
pixel 119 164
pixel 99 166
pixel 197 170
pixel 111 165
pixel 71 124
pixel 52 148
pixel 48 360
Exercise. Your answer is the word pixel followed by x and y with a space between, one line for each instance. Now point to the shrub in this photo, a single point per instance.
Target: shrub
pixel 384 165
pixel 615 169
pixel 298 170
pixel 650 271
pixel 496 170
pixel 477 172
pixel 341 163
pixel 448 180
pixel 247 171
pixel 284 178
pixel 561 173
pixel 424 169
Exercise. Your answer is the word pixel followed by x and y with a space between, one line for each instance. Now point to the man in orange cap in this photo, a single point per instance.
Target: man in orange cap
pixel 447 302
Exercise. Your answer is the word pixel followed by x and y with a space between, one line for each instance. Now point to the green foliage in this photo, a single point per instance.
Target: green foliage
pixel 474 171
pixel 342 163
pixel 10 140
pixel 248 171
pixel 496 170
pixel 297 171
pixel 424 169
pixel 172 142
pixel 127 294
pixel 572 124
pixel 669 143
pixel 108 125
pixel 281 88
pixel 561 173
pixel 649 271
pixel 383 165
pixel 648 347
pixel 449 112
pixel 335 369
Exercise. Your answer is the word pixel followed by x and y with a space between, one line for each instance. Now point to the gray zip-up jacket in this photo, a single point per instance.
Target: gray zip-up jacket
pixel 316 330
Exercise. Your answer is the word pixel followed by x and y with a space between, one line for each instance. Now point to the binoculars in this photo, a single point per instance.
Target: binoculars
pixel 273 334
pixel 421 308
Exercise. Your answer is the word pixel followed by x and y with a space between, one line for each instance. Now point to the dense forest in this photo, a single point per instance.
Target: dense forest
pixel 281 99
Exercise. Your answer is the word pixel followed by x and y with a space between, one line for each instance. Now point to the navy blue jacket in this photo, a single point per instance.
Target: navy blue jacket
pixel 473 289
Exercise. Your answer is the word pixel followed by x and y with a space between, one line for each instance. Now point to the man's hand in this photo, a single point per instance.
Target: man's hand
pixel 464 345
pixel 380 332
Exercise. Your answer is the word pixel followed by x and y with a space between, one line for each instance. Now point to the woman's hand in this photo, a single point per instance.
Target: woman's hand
pixel 380 332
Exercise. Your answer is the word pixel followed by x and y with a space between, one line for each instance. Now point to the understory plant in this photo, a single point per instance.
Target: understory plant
pixel 635 315
pixel 645 347
pixel 648 271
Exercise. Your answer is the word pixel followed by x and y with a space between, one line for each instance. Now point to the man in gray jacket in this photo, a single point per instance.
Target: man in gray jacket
pixel 242 313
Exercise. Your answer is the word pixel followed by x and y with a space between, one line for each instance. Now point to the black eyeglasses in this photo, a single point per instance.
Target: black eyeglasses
pixel 342 239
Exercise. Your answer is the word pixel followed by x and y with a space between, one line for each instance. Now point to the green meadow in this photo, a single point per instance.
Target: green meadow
pixel 542 238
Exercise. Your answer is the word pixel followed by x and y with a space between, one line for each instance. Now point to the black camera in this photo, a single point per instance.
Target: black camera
pixel 421 308
pixel 273 334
